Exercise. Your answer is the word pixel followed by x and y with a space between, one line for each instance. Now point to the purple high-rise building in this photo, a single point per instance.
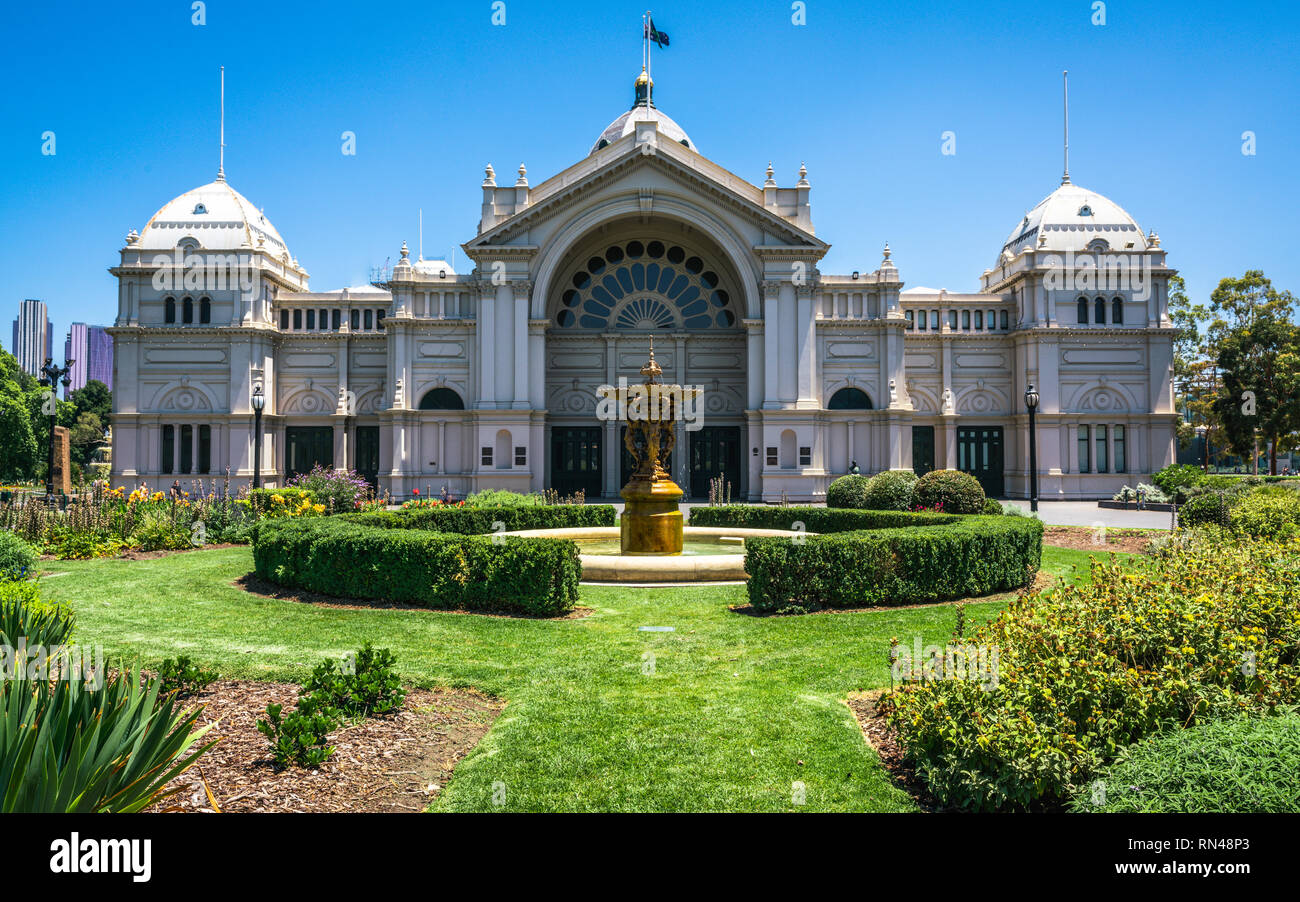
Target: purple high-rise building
pixel 90 348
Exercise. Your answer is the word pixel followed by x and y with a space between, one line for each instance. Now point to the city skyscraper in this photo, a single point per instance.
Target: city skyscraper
pixel 90 348
pixel 33 336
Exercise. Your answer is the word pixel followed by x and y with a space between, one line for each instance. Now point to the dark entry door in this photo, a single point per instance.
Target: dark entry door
pixel 368 453
pixel 307 447
pixel 979 452
pixel 922 449
pixel 715 451
pixel 575 459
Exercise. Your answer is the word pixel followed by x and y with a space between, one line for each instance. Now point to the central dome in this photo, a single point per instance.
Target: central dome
pixel 1072 218
pixel 215 215
pixel 643 110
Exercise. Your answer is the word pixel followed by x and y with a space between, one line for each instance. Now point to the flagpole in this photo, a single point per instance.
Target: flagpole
pixel 646 32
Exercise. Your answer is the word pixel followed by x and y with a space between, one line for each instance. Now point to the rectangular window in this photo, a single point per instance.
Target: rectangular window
pixel 979 320
pixel 187 449
pixel 205 449
pixel 168 448
pixel 324 319
pixel 311 319
pixel 485 456
pixel 1085 465
pixel 911 323
pixel 1121 463
pixel 772 459
pixel 297 320
pixel 952 320
pixel 934 320
pixel 354 320
pixel 284 320
pixel 1101 450
pixel 805 456
pixel 992 314
pixel 369 320
pixel 379 318
pixel 965 320
pixel 920 320
pixel 1002 320
pixel 334 319
pixel 521 456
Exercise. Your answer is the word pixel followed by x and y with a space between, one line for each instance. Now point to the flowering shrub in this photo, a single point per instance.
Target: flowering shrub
pixel 1206 628
pixel 338 490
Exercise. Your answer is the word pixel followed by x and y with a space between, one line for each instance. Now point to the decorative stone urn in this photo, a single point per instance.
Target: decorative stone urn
pixel 651 521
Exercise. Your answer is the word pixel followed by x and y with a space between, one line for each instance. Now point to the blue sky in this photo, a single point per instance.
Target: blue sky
pixel 1160 97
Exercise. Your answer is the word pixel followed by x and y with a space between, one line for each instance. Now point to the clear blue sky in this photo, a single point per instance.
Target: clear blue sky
pixel 1160 96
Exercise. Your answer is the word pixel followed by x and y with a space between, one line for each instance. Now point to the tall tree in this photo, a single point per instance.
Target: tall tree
pixel 1256 342
pixel 1189 355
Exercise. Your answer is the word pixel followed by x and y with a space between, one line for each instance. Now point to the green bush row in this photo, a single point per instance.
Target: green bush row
pixel 814 519
pixel 473 521
pixel 970 557
pixel 441 570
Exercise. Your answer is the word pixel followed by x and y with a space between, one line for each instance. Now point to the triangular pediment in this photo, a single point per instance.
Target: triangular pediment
pixel 642 163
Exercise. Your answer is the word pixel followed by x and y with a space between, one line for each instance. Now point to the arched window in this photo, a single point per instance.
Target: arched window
pixel 205 310
pixel 441 399
pixel 1083 311
pixel 849 399
pixel 1099 311
pixel 787 449
pixel 1117 310
pixel 169 310
pixel 187 310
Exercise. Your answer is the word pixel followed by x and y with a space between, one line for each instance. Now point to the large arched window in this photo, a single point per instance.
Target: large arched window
pixel 1099 311
pixel 646 285
pixel 1083 311
pixel 169 310
pixel 1117 310
pixel 441 399
pixel 849 399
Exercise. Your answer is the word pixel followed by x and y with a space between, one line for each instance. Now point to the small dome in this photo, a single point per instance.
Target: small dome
pixel 1072 218
pixel 216 216
pixel 643 110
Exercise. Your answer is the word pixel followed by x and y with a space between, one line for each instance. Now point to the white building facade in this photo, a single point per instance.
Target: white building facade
pixel 436 380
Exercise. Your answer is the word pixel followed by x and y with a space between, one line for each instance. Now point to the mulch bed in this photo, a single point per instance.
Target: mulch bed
pixel 255 585
pixel 879 735
pixel 151 555
pixel 395 763
pixel 1084 538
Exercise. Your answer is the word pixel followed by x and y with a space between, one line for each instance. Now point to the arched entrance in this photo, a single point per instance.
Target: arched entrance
pixel 619 287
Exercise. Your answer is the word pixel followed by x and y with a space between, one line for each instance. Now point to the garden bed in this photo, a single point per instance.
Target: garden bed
pixel 397 763
pixel 1084 538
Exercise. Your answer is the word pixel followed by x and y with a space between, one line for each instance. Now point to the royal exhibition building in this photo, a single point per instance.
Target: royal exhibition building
pixel 447 382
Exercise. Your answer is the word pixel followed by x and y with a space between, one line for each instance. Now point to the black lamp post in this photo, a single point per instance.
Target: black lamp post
pixel 259 402
pixel 50 376
pixel 1031 403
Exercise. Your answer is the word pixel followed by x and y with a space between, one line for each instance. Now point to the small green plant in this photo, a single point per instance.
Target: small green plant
pixel 991 508
pixel 184 677
pixel 372 687
pixel 302 736
pixel 17 558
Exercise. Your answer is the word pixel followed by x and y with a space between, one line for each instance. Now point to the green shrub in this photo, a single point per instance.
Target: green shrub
pixel 302 736
pixel 503 498
pixel 950 491
pixel 474 521
pixel 1210 509
pixel 991 508
pixel 1097 665
pixel 264 500
pixel 1238 765
pixel 68 745
pixel 848 492
pixel 17 559
pixel 346 556
pixel 372 687
pixel 1177 476
pixel 814 519
pixel 1267 514
pixel 891 490
pixel 184 677
pixel 968 557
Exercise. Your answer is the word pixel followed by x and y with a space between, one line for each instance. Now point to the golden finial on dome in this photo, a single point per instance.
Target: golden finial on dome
pixel 651 370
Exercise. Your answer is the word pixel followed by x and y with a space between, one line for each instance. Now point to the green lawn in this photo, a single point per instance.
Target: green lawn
pixel 724 713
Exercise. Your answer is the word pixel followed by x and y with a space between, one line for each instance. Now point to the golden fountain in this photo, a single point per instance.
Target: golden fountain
pixel 652 522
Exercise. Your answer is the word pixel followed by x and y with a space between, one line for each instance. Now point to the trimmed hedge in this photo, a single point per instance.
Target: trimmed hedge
pixel 891 490
pixel 951 491
pixel 332 555
pixel 969 557
pixel 814 519
pixel 476 521
pixel 848 491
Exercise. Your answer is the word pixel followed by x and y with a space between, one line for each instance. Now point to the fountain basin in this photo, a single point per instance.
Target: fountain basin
pixel 707 555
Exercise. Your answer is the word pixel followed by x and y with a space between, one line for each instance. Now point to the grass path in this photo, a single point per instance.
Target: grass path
pixel 724 713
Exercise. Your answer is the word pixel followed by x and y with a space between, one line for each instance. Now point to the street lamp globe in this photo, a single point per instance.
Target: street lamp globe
pixel 1031 397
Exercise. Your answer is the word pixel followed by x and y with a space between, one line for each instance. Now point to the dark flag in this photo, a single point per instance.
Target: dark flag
pixel 659 37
